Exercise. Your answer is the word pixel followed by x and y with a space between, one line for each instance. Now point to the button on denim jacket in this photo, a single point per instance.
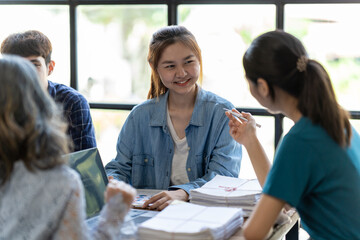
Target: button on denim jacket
pixel 145 148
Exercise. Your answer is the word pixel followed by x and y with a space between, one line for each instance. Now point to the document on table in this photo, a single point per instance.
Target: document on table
pixel 192 221
pixel 228 191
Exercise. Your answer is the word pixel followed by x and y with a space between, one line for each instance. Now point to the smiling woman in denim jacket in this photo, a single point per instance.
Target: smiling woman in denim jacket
pixel 179 138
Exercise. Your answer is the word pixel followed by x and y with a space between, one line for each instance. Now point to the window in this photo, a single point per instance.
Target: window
pixel 327 31
pixel 107 125
pixel 224 32
pixel 112 50
pixel 266 136
pixel 20 18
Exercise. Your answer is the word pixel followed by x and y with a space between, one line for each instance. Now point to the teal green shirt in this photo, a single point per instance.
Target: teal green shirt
pixel 320 179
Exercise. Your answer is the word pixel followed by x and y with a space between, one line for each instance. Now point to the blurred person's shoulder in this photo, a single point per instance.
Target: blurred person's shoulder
pixel 63 177
pixel 57 181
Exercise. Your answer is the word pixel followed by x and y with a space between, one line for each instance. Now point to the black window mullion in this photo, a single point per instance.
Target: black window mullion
pixel 112 106
pixel 73 47
pixel 280 15
pixel 172 14
pixel 355 115
pixel 279 119
pixel 279 128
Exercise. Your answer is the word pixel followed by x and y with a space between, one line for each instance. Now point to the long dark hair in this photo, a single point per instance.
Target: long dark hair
pixel 282 61
pixel 31 128
pixel 161 39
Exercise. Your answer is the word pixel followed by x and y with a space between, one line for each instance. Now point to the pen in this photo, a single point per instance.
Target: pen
pixel 239 116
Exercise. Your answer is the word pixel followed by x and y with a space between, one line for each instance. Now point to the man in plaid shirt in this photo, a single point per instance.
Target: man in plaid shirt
pixel 36 47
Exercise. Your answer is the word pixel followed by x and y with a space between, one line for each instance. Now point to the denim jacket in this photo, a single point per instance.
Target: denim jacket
pixel 145 148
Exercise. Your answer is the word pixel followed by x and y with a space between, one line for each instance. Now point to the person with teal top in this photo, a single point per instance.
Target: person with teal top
pixel 316 167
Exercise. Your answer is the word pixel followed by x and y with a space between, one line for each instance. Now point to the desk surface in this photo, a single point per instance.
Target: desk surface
pixel 278 232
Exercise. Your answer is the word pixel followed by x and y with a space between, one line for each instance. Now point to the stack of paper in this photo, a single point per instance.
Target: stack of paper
pixel 191 221
pixel 228 191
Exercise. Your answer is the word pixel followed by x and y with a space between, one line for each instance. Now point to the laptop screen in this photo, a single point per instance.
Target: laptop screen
pixel 90 167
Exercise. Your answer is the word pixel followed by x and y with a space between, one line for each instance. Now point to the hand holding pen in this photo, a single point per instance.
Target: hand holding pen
pixel 240 130
pixel 238 115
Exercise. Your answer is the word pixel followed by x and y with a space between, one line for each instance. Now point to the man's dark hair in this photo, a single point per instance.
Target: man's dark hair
pixel 26 44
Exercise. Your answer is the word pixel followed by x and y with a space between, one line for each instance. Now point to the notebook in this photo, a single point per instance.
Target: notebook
pixel 89 165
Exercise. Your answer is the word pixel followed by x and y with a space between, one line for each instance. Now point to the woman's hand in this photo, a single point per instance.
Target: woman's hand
pixel 242 131
pixel 115 187
pixel 163 199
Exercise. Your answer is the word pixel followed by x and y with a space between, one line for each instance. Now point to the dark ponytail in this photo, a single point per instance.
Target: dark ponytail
pixel 317 101
pixel 281 60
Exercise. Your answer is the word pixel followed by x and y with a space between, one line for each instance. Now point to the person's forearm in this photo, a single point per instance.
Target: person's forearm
pixel 181 194
pixel 259 160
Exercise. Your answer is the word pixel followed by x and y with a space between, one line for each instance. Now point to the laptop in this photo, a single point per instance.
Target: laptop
pixel 89 165
pixel 90 168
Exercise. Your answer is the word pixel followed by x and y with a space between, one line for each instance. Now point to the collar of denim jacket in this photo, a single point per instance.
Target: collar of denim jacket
pixel 159 111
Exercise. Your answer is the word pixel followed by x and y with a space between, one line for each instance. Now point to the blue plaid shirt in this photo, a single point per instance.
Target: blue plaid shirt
pixel 77 113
